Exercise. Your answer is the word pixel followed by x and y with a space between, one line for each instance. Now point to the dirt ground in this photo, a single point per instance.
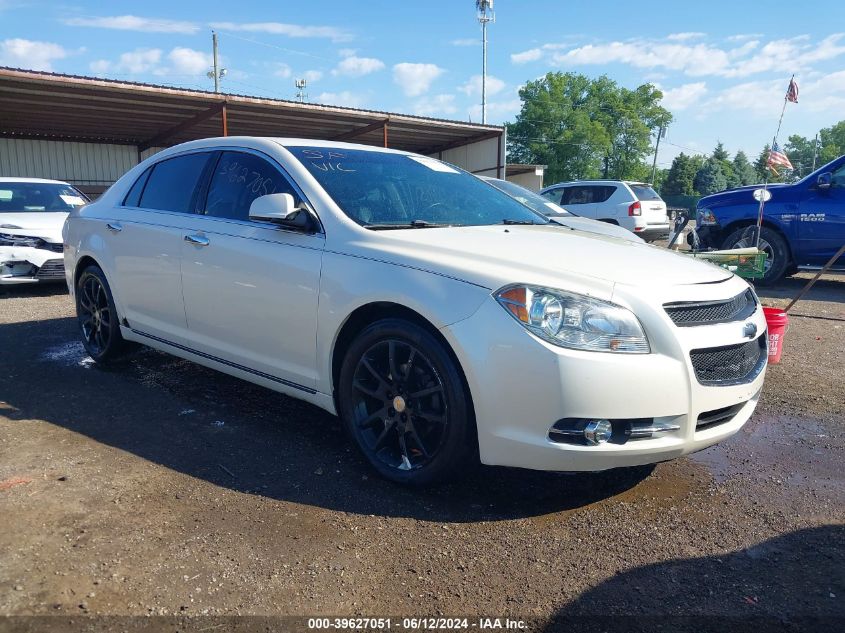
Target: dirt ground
pixel 162 488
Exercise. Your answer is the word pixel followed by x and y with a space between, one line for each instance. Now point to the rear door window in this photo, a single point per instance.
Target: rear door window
pixel 602 193
pixel 133 198
pixel 173 183
pixel 580 194
pixel 644 192
pixel 239 178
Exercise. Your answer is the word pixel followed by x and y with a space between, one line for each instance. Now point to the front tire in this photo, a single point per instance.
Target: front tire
pixel 404 404
pixel 771 242
pixel 97 316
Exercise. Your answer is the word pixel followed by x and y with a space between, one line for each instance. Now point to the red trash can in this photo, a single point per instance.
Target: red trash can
pixel 777 322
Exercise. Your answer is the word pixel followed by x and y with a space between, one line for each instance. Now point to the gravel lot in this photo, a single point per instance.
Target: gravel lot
pixel 162 488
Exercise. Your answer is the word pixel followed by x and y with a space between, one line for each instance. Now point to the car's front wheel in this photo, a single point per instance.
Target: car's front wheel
pixel 403 402
pixel 771 243
pixel 97 316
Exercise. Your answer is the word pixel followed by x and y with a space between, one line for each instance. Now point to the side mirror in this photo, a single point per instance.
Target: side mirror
pixel 279 208
pixel 824 181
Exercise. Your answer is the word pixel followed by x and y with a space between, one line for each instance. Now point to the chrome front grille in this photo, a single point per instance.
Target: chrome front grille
pixel 690 313
pixel 52 269
pixel 731 364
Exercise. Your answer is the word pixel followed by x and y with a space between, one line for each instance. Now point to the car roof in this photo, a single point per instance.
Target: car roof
pixel 33 180
pixel 598 182
pixel 223 141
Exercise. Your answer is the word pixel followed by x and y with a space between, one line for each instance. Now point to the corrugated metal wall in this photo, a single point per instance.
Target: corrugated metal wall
pixel 95 166
pixel 76 163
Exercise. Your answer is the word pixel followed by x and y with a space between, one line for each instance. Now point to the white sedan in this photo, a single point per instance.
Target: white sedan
pixel 32 213
pixel 440 318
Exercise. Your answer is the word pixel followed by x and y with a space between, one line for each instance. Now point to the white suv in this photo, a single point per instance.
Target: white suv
pixel 437 316
pixel 633 205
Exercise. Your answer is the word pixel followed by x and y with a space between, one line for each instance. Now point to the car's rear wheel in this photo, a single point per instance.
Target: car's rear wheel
pixel 97 316
pixel 771 243
pixel 404 404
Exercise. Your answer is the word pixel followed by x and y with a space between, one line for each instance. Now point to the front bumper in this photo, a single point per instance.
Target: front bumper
pixel 521 386
pixel 25 265
pixel 709 236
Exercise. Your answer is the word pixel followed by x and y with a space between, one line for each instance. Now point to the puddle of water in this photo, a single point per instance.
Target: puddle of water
pixel 68 354
pixel 781 449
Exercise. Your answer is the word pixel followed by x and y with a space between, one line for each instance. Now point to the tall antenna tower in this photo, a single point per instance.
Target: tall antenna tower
pixel 301 95
pixel 485 15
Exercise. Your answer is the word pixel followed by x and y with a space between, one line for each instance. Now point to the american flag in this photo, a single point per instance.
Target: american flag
pixel 792 91
pixel 777 157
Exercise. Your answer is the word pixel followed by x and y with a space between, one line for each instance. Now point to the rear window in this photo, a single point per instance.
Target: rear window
pixel 644 192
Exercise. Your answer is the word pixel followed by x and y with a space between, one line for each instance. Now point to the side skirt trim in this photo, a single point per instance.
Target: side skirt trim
pixel 223 361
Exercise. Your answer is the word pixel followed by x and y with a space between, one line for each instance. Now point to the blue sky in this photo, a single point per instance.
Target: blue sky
pixel 724 66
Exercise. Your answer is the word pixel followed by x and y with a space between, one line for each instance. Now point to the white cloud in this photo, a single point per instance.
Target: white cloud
pixel 524 57
pixel 345 98
pixel 180 61
pixel 187 61
pixel 497 111
pixel 436 105
pixel 289 30
pixel 683 37
pixel 134 23
pixel 353 66
pixel 347 52
pixel 824 94
pixel 466 42
pixel 473 86
pixel 282 70
pixel 697 59
pixel 684 96
pixel 21 53
pixel 313 75
pixel 415 79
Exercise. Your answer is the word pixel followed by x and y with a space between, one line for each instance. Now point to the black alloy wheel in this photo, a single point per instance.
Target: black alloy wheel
pixel 403 403
pixel 97 316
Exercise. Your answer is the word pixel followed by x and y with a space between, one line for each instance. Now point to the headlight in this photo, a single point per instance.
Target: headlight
pixel 705 217
pixel 574 321
pixel 8 239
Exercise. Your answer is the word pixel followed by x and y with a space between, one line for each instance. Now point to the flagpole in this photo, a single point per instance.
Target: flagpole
pixel 766 180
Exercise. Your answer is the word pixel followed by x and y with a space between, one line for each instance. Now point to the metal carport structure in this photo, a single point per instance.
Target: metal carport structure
pixel 89 131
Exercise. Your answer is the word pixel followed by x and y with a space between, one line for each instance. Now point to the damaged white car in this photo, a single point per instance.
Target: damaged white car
pixel 32 212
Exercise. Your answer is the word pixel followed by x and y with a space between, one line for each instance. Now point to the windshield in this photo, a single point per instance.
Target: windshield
pixel 530 199
pixel 30 197
pixel 644 192
pixel 386 190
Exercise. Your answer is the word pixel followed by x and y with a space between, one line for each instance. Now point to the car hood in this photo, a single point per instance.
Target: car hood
pixel 594 226
pixel 492 256
pixel 47 226
pixel 741 194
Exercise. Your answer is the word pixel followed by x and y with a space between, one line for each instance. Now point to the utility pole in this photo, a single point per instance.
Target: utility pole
pixel 485 15
pixel 815 151
pixel 661 133
pixel 215 73
pixel 216 66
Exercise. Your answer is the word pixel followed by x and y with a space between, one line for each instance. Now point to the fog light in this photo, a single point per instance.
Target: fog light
pixel 597 432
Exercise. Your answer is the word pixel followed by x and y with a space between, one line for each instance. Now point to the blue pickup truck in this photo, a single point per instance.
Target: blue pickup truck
pixel 803 223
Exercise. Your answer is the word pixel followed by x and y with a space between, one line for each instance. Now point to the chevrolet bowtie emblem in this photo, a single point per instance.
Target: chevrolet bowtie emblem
pixel 750 330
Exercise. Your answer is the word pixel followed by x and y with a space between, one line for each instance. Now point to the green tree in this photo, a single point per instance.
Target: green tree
pixel 832 142
pixel 681 176
pixel 800 152
pixel 721 155
pixel 743 170
pixel 710 178
pixel 586 128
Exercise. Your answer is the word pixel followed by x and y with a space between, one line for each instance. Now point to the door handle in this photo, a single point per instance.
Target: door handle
pixel 114 227
pixel 197 240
